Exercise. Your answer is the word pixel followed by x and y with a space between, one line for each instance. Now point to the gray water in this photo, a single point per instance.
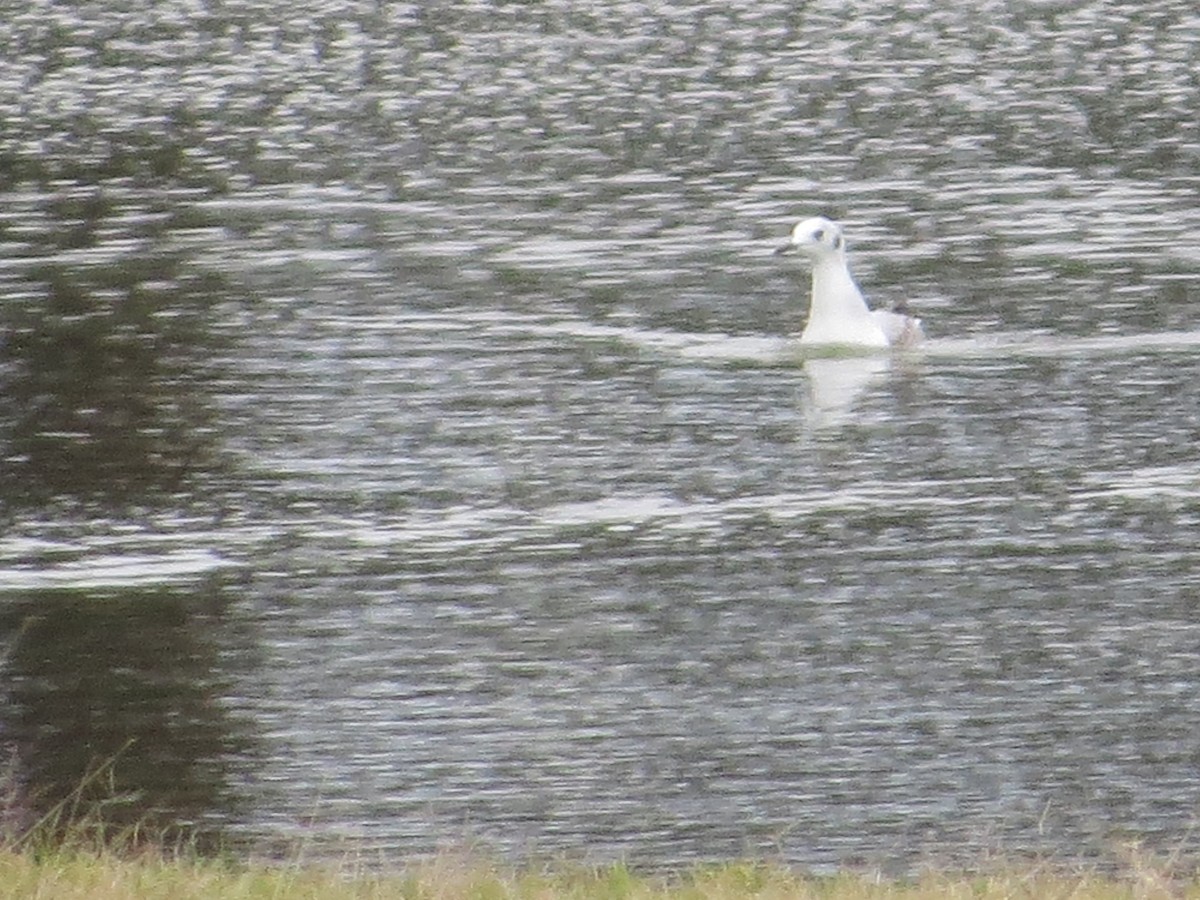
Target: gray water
pixel 403 447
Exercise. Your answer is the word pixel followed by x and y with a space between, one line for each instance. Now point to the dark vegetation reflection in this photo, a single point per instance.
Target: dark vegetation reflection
pixel 103 396
pixel 114 719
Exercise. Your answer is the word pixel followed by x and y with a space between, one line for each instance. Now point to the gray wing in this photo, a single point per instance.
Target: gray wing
pixel 901 330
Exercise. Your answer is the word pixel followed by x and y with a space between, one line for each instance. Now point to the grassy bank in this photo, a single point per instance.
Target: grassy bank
pixel 65 875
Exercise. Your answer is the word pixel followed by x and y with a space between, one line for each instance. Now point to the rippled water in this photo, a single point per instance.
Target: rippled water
pixel 403 445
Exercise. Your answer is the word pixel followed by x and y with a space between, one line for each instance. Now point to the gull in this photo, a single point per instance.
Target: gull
pixel 837 314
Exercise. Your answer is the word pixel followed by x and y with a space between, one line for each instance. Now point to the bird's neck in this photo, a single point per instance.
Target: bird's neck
pixel 837 313
pixel 834 293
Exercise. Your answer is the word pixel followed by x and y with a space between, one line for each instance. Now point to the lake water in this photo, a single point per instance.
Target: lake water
pixel 403 446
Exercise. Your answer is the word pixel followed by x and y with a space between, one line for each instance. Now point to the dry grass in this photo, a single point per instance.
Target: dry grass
pixel 103 875
pixel 63 856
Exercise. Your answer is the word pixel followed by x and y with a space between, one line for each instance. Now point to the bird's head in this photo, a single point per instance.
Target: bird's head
pixel 816 239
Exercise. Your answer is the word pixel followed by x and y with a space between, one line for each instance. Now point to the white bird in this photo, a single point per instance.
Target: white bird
pixel 837 314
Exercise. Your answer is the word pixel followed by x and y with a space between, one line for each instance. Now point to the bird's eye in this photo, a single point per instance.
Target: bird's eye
pixel 837 242
pixel 819 235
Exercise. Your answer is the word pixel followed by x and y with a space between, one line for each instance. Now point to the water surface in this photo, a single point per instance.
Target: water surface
pixel 404 447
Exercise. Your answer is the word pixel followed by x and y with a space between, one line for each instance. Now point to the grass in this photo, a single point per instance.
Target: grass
pixel 99 874
pixel 63 855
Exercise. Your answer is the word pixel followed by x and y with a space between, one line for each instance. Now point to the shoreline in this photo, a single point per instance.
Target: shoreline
pixel 69 871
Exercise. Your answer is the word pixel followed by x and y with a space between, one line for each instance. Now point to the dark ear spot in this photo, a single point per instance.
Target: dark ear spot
pixel 819 235
pixel 837 242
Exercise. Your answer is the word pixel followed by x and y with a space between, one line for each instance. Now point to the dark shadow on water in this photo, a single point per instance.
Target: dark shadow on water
pixel 114 715
pixel 104 332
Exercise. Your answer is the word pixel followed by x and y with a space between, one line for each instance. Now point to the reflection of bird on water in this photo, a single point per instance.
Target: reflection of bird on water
pixel 838 315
